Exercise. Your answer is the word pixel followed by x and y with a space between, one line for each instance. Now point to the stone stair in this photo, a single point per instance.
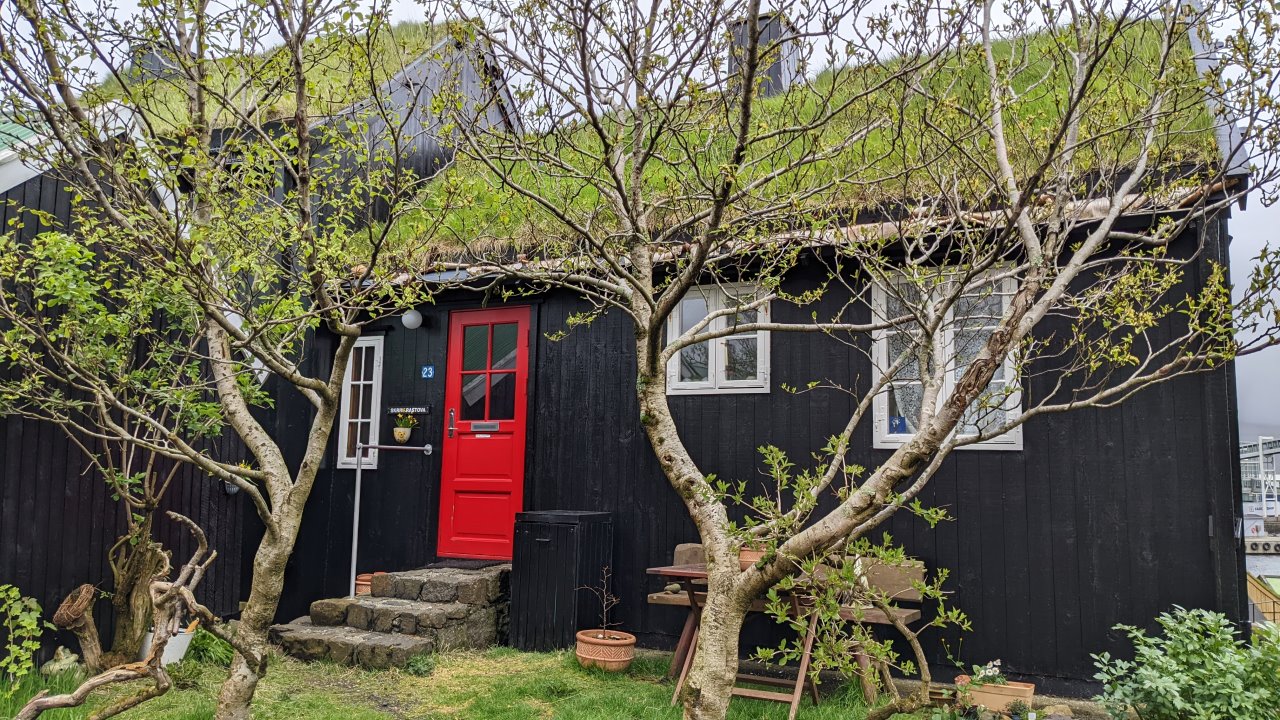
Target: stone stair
pixel 408 613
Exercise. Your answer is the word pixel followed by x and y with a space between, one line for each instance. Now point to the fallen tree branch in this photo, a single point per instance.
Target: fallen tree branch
pixel 171 600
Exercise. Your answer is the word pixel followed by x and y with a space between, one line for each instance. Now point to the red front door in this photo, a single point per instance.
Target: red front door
pixel 482 475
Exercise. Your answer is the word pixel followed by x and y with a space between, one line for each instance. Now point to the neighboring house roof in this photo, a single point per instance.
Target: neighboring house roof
pixel 13 169
pixel 11 134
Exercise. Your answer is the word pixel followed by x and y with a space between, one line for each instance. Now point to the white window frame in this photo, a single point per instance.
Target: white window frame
pixel 882 439
pixel 370 461
pixel 717 297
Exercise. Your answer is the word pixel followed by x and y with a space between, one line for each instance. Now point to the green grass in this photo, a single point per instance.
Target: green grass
pixel 341 69
pixel 499 684
pixel 914 155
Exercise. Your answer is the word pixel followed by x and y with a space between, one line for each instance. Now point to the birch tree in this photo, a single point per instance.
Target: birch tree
pixel 235 168
pixel 998 192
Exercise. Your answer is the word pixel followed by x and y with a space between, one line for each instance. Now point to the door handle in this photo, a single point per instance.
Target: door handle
pixel 450 422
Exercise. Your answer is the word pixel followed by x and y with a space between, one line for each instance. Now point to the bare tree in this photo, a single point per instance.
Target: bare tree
pixel 238 170
pixel 999 193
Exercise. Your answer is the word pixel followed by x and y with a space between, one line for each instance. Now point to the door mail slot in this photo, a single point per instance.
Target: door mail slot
pixel 484 426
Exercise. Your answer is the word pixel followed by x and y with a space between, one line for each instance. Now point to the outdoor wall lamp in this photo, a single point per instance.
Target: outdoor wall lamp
pixel 411 319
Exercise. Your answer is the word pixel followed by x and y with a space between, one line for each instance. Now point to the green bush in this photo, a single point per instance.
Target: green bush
pixel 210 649
pixel 21 626
pixel 421 665
pixel 1198 668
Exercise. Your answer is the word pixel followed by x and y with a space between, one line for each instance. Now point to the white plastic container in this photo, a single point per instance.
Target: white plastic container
pixel 174 650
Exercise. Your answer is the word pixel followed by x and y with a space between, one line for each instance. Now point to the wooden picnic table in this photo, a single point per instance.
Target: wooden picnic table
pixel 688 576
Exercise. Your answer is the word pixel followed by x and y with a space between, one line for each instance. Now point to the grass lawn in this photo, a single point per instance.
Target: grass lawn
pixel 499 684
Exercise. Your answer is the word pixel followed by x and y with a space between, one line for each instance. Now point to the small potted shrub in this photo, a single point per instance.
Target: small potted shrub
pixel 405 424
pixel 604 647
pixel 989 688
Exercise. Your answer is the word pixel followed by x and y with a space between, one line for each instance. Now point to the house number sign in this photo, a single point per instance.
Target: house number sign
pixel 428 372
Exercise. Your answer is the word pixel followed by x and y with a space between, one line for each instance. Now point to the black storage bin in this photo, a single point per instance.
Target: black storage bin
pixel 557 554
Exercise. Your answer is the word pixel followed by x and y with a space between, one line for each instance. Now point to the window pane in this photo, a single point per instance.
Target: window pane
pixel 692 309
pixel 355 398
pixel 504 346
pixel 366 402
pixel 475 347
pixel 743 318
pixel 353 435
pixel 368 364
pixel 364 434
pixel 502 396
pixel 983 308
pixel 473 393
pixel 968 344
pixel 693 363
pixel 356 362
pixel 978 418
pixel 904 408
pixel 898 344
pixel 740 358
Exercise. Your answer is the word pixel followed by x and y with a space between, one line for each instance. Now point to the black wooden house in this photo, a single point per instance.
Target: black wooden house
pixel 1084 520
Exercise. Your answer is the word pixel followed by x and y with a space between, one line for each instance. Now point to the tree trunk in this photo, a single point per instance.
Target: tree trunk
pixel 132 601
pixel 710 684
pixel 255 621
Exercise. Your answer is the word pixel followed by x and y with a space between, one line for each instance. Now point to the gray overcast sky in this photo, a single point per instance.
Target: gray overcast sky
pixel 1257 379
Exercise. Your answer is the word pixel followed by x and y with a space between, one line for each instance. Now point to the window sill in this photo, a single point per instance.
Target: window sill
pixel 351 465
pixel 1012 445
pixel 718 391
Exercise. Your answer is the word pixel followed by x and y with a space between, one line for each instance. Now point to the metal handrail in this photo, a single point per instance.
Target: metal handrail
pixel 355 519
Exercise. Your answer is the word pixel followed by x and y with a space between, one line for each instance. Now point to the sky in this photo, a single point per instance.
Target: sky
pixel 1257 376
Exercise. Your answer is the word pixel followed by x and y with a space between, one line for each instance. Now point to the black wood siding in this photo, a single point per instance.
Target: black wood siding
pixel 1104 517
pixel 57 519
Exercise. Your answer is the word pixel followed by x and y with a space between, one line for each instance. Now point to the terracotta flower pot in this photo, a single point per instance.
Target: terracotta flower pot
pixel 748 557
pixel 611 650
pixel 364 583
pixel 401 434
pixel 994 697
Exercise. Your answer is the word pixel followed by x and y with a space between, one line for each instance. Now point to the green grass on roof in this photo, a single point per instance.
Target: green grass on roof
pixel 342 69
pixel 904 160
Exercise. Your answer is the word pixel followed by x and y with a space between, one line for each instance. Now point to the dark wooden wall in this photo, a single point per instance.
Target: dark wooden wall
pixel 57 520
pixel 1106 516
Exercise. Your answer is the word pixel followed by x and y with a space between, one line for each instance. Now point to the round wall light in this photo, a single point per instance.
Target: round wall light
pixel 412 319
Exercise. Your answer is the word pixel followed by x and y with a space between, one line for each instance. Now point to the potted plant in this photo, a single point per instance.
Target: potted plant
pixel 604 647
pixel 750 554
pixel 405 424
pixel 989 688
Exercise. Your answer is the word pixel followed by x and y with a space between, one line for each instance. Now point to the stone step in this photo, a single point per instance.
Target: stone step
pixel 452 625
pixel 349 646
pixel 445 585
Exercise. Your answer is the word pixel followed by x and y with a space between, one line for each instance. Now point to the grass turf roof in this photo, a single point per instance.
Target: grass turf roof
pixel 341 71
pixel 888 165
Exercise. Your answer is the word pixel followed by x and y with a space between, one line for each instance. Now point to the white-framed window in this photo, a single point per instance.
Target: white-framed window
pixel 361 403
pixel 736 363
pixel 967 326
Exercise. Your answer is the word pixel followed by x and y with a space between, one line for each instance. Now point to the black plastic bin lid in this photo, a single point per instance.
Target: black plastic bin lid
pixel 562 517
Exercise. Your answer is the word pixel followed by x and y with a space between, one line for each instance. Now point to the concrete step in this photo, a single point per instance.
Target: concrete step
pixel 349 646
pixel 445 585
